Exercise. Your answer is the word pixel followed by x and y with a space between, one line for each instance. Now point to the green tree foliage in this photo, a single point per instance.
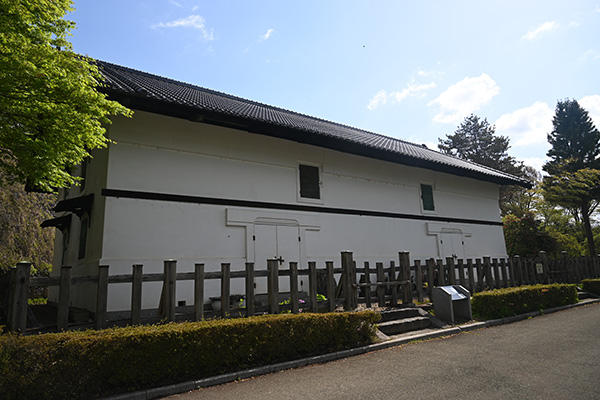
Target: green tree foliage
pixel 21 237
pixel 51 113
pixel 517 200
pixel 475 140
pixel 574 166
pixel 574 139
pixel 525 236
pixel 579 191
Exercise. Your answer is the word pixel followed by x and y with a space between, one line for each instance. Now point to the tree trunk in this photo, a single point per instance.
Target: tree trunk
pixel 587 227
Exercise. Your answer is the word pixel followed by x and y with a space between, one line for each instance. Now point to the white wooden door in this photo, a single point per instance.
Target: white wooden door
pixel 279 242
pixel 452 245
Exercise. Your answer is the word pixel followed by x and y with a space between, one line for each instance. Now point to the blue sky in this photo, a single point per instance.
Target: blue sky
pixel 408 69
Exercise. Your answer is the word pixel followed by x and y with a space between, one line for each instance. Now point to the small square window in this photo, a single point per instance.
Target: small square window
pixel 427 197
pixel 309 182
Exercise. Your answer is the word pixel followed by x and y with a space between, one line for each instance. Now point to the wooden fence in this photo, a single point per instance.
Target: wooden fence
pixel 344 287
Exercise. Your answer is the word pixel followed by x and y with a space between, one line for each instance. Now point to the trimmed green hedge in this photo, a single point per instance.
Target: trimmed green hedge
pixel 99 363
pixel 507 302
pixel 591 285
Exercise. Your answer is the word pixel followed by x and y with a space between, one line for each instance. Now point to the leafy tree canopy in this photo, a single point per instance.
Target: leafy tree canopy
pixel 525 237
pixel 573 189
pixel 574 166
pixel 580 191
pixel 51 113
pixel 21 237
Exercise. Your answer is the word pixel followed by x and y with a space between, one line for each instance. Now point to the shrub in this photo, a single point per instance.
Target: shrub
pixel 99 363
pixel 592 286
pixel 507 302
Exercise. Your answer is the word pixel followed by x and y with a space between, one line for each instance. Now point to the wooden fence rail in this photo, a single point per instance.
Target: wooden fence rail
pixel 344 287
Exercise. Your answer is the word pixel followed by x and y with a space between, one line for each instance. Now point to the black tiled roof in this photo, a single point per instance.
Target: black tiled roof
pixel 147 92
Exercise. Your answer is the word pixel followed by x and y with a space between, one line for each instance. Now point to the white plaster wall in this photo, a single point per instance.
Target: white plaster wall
pixel 167 155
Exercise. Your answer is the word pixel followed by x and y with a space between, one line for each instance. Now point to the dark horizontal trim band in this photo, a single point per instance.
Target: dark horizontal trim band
pixel 132 194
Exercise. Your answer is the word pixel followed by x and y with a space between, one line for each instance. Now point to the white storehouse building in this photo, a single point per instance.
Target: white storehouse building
pixel 202 176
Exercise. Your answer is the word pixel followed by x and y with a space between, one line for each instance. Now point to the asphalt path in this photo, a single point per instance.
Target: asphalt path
pixel 554 356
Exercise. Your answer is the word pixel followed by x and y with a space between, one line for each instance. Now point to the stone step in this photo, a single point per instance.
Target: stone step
pixel 399 313
pixel 586 295
pixel 404 325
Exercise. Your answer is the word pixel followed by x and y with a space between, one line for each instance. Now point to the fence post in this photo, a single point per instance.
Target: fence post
pixel 394 288
pixel 497 282
pixel 404 258
pixel 101 296
pixel 419 280
pixel 451 271
pixel 273 285
pixel 347 268
pixel 249 289
pixel 331 286
pixel 544 259
pixel 513 276
pixel 518 270
pixel 441 272
pixel 294 287
pixel 170 272
pixel 489 281
pixel 136 294
pixel 312 285
pixel 471 275
pixel 504 270
pixel 461 272
pixel 380 288
pixel 17 298
pixel 199 292
pixel 480 274
pixel 430 281
pixel 225 289
pixel 64 297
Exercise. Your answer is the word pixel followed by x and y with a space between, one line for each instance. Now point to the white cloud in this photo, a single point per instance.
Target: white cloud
pixel 592 105
pixel 268 34
pixel 527 126
pixel 536 33
pixel 465 97
pixel 535 162
pixel 192 22
pixel 195 8
pixel 590 54
pixel 379 99
pixel 176 4
pixel 411 90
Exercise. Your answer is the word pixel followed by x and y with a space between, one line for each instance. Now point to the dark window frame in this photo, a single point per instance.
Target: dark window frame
pixel 427 197
pixel 309 178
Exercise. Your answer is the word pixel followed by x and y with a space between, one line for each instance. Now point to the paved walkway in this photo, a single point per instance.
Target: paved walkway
pixel 555 356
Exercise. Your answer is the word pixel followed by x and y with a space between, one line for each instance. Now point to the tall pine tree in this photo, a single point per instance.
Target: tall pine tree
pixel 574 139
pixel 575 153
pixel 475 140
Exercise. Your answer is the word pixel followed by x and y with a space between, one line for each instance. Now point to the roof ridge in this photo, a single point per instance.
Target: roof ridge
pixel 258 103
pixel 126 79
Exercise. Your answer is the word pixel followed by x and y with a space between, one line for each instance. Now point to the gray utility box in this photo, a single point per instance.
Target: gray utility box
pixel 451 303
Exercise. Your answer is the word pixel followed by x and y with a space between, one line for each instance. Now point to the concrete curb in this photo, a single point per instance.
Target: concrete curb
pixel 267 369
